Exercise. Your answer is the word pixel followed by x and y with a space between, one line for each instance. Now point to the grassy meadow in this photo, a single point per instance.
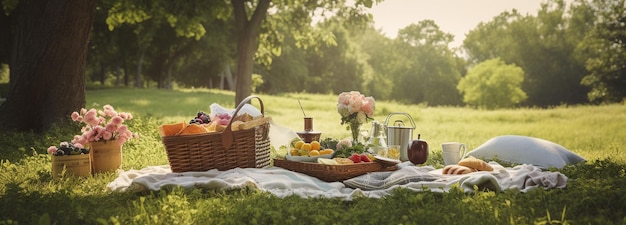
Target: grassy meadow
pixel 595 194
pixel 594 132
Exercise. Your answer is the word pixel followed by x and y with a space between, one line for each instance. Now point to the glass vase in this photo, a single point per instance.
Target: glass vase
pixel 355 129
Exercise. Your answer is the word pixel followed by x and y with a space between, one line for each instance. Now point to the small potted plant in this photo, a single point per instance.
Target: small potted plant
pixel 104 133
pixel 73 158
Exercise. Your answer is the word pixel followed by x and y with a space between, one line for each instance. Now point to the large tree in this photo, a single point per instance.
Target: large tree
pixel 430 73
pixel 249 18
pixel 543 46
pixel 493 84
pixel 605 48
pixel 247 28
pixel 48 57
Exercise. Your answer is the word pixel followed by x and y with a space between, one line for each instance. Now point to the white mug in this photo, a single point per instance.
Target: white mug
pixel 451 152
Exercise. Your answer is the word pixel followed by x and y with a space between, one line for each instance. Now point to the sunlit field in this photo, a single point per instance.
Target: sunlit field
pixel 594 132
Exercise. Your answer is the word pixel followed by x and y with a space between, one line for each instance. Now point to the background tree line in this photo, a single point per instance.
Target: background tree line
pixel 568 54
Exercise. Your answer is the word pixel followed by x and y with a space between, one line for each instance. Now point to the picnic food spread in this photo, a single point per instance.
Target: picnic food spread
pixel 202 123
pixel 327 159
pixel 304 153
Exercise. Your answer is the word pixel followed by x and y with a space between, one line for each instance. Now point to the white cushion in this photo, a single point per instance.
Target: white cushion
pixel 526 150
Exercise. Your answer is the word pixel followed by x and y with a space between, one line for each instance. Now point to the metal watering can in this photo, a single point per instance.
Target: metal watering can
pixel 398 134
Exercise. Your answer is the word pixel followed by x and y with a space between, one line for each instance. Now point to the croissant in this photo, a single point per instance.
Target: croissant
pixel 475 163
pixel 456 170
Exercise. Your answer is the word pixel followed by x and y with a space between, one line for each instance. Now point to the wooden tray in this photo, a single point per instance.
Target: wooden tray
pixel 332 173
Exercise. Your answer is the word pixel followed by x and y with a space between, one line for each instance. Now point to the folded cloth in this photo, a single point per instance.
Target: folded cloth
pixel 384 180
pixel 282 182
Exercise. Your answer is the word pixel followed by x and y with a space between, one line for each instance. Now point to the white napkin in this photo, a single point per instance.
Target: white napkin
pixel 247 108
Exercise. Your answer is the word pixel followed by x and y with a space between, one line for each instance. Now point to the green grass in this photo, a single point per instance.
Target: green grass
pixel 595 193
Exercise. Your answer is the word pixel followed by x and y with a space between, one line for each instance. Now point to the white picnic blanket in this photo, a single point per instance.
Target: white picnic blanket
pixel 282 182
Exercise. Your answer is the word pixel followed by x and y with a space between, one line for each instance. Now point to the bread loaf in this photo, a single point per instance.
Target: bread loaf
pixel 475 163
pixel 343 161
pixel 456 170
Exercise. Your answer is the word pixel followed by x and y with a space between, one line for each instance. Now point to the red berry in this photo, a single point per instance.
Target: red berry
pixel 356 158
pixel 364 158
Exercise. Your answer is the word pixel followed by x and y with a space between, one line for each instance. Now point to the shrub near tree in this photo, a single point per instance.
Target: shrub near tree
pixel 493 84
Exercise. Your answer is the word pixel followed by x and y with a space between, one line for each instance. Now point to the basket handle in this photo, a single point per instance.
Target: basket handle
pixel 227 135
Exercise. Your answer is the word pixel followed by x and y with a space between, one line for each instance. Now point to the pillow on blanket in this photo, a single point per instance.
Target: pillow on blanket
pixel 526 150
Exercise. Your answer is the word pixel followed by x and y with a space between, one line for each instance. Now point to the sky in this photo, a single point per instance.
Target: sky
pixel 456 17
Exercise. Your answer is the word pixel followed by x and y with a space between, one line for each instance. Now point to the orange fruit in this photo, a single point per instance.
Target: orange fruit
pixel 299 144
pixel 194 129
pixel 315 145
pixel 307 146
pixel 327 151
pixel 294 152
pixel 171 129
pixel 314 153
pixel 303 152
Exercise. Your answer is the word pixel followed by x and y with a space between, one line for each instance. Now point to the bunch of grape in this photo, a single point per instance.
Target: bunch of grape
pixel 66 148
pixel 201 118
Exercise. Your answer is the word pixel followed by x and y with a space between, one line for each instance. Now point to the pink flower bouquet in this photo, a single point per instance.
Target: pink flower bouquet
pixel 355 110
pixel 102 125
pixel 355 107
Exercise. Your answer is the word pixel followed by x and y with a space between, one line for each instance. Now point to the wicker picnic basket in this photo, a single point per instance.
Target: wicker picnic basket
pixel 332 173
pixel 246 148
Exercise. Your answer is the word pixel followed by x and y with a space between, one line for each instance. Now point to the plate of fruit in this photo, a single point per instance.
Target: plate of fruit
pixel 301 151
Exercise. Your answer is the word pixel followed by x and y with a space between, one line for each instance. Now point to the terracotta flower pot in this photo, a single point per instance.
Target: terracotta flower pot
pixel 74 165
pixel 106 156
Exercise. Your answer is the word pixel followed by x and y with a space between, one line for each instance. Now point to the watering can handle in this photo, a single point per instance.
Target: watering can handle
pixel 400 113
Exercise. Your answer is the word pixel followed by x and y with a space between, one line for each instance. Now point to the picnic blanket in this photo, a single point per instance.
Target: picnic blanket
pixel 281 182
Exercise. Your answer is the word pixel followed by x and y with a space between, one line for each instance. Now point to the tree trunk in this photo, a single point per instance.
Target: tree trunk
pixel 229 76
pixel 221 81
pixel 5 37
pixel 117 71
pixel 247 44
pixel 226 77
pixel 47 63
pixel 168 79
pixel 138 82
pixel 126 75
pixel 102 74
